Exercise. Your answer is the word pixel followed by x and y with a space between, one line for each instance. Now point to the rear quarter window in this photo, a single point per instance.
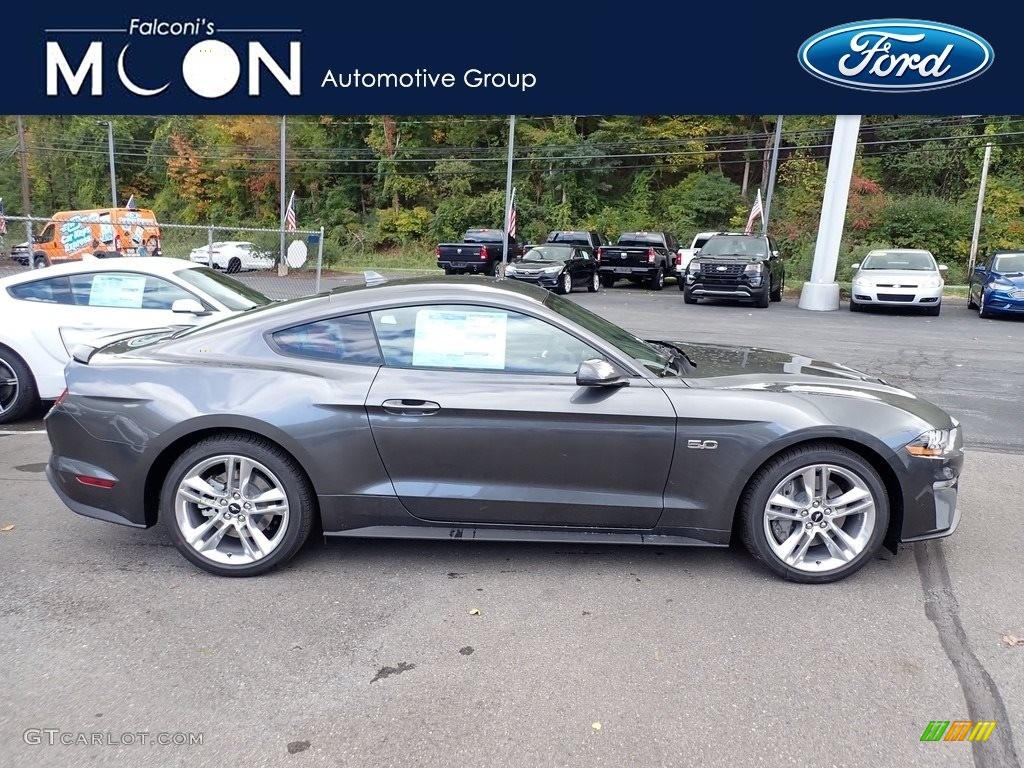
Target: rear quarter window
pixel 54 290
pixel 348 339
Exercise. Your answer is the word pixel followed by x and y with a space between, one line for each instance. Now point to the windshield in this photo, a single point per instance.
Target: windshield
pixel 631 346
pixel 1010 262
pixel 232 294
pixel 641 240
pixel 747 247
pixel 913 260
pixel 548 253
pixel 577 238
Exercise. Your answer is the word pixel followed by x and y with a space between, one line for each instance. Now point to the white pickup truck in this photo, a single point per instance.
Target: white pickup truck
pixel 684 255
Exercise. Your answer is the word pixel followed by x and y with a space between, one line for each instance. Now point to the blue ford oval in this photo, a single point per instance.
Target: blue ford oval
pixel 896 55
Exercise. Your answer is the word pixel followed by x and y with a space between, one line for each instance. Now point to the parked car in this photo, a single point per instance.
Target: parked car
pixel 233 256
pixel 997 285
pixel 737 266
pixel 590 238
pixel 480 252
pixel 465 410
pixel 46 312
pixel 685 255
pixel 557 266
pixel 21 253
pixel 640 257
pixel 99 232
pixel 898 277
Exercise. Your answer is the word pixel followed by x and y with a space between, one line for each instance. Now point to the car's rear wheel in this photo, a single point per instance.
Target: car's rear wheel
pixel 234 265
pixel 595 283
pixel 237 505
pixel 607 281
pixel 776 294
pixel 815 513
pixel 657 281
pixel 18 392
pixel 971 303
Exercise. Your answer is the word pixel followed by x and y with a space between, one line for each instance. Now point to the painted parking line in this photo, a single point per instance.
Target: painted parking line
pixel 22 431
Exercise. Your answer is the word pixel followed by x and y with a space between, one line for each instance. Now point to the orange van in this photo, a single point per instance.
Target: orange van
pixel 100 232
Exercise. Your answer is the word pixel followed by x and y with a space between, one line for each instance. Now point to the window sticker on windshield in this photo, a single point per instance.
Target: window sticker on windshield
pixel 460 339
pixel 117 291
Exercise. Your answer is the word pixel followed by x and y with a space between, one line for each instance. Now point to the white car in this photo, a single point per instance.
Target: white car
pixel 45 313
pixel 898 277
pixel 685 255
pixel 232 256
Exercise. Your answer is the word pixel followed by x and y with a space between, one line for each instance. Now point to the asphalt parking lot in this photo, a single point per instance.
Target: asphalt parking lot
pixel 367 653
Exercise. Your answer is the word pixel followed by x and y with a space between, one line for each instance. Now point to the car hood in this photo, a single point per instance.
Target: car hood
pixel 1015 278
pixel 896 275
pixel 540 263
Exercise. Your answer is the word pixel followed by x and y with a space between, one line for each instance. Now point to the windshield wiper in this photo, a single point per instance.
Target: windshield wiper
pixel 678 355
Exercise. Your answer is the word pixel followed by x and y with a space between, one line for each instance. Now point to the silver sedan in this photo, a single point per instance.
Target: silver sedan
pixel 904 277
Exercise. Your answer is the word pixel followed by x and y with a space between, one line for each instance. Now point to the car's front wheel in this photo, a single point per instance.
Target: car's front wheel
pixel 39 262
pixel 983 311
pixel 815 513
pixel 564 283
pixel 237 505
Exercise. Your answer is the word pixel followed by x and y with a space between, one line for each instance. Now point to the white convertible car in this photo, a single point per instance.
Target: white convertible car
pixel 46 312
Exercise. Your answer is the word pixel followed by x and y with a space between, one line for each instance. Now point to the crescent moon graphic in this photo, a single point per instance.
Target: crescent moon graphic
pixel 132 86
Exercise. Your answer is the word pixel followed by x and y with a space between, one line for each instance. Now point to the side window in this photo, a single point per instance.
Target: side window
pixel 51 291
pixel 476 338
pixel 125 290
pixel 346 339
pixel 46 236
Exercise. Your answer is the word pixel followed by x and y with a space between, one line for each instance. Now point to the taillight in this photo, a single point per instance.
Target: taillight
pixel 679 260
pixel 483 251
pixel 600 253
pixel 437 251
pixel 61 398
pixel 650 255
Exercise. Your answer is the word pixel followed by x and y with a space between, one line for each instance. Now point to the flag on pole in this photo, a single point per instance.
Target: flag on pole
pixel 290 222
pixel 512 215
pixel 756 212
pixel 3 219
pixel 131 204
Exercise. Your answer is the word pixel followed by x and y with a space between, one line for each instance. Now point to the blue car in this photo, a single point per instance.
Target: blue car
pixel 997 285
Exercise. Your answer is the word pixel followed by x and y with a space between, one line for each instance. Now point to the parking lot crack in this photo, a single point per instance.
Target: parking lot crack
pixel 981 693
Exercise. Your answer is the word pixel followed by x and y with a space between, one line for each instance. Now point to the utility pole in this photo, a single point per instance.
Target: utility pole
pixel 26 206
pixel 771 174
pixel 978 210
pixel 110 154
pixel 508 190
pixel 282 266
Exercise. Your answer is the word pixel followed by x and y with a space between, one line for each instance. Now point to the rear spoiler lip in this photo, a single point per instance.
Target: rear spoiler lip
pixel 84 352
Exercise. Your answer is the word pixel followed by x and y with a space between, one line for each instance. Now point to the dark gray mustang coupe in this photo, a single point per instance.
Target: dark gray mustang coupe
pixel 488 409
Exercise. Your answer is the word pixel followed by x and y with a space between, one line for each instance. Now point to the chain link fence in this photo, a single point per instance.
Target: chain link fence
pixel 280 264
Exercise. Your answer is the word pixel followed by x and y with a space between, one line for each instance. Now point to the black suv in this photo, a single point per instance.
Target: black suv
pixel 735 266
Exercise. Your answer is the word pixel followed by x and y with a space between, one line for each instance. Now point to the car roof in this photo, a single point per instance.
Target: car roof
pixel 157 265
pixel 900 250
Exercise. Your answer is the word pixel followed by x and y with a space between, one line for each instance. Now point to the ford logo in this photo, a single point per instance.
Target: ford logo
pixel 896 55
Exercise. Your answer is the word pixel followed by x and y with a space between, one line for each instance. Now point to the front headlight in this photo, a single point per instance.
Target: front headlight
pixel 932 282
pixel 933 444
pixel 1001 285
pixel 552 270
pixel 754 269
pixel 863 282
pixel 510 270
pixel 693 267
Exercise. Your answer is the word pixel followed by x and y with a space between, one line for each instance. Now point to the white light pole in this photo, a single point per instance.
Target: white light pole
pixel 110 153
pixel 822 292
pixel 978 210
pixel 508 190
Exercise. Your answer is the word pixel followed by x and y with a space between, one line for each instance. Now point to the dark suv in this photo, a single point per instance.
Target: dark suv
pixel 735 266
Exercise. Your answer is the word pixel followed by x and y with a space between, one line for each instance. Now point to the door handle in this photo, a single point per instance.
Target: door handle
pixel 410 407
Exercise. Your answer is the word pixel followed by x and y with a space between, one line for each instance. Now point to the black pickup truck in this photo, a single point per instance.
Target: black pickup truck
pixel 589 238
pixel 641 257
pixel 479 252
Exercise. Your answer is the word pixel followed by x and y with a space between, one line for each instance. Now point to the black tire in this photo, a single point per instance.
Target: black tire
pixel 934 311
pixel 855 307
pixel 40 261
pixel 755 499
pixel 234 265
pixel 761 301
pixel 971 303
pixel 689 298
pixel 594 285
pixel 776 294
pixel 607 281
pixel 300 496
pixel 449 271
pixel 24 397
pixel 982 312
pixel 564 283
pixel 657 281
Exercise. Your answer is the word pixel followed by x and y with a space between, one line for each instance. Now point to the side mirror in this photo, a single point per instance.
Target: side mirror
pixel 979 270
pixel 943 268
pixel 855 265
pixel 599 373
pixel 36 239
pixel 188 307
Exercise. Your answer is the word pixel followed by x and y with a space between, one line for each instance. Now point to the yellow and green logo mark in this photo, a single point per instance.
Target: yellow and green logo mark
pixel 958 730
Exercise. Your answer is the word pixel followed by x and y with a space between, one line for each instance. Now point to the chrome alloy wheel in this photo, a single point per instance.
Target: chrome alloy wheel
pixel 9 387
pixel 819 518
pixel 231 510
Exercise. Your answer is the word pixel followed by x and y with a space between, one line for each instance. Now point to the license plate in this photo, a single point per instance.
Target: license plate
pixel 627 270
pixel 458 263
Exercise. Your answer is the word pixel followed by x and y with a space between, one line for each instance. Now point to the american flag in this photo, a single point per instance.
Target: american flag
pixel 3 219
pixel 512 215
pixel 289 215
pixel 756 212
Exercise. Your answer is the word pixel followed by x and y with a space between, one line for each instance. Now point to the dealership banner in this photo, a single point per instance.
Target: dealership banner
pixel 526 57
